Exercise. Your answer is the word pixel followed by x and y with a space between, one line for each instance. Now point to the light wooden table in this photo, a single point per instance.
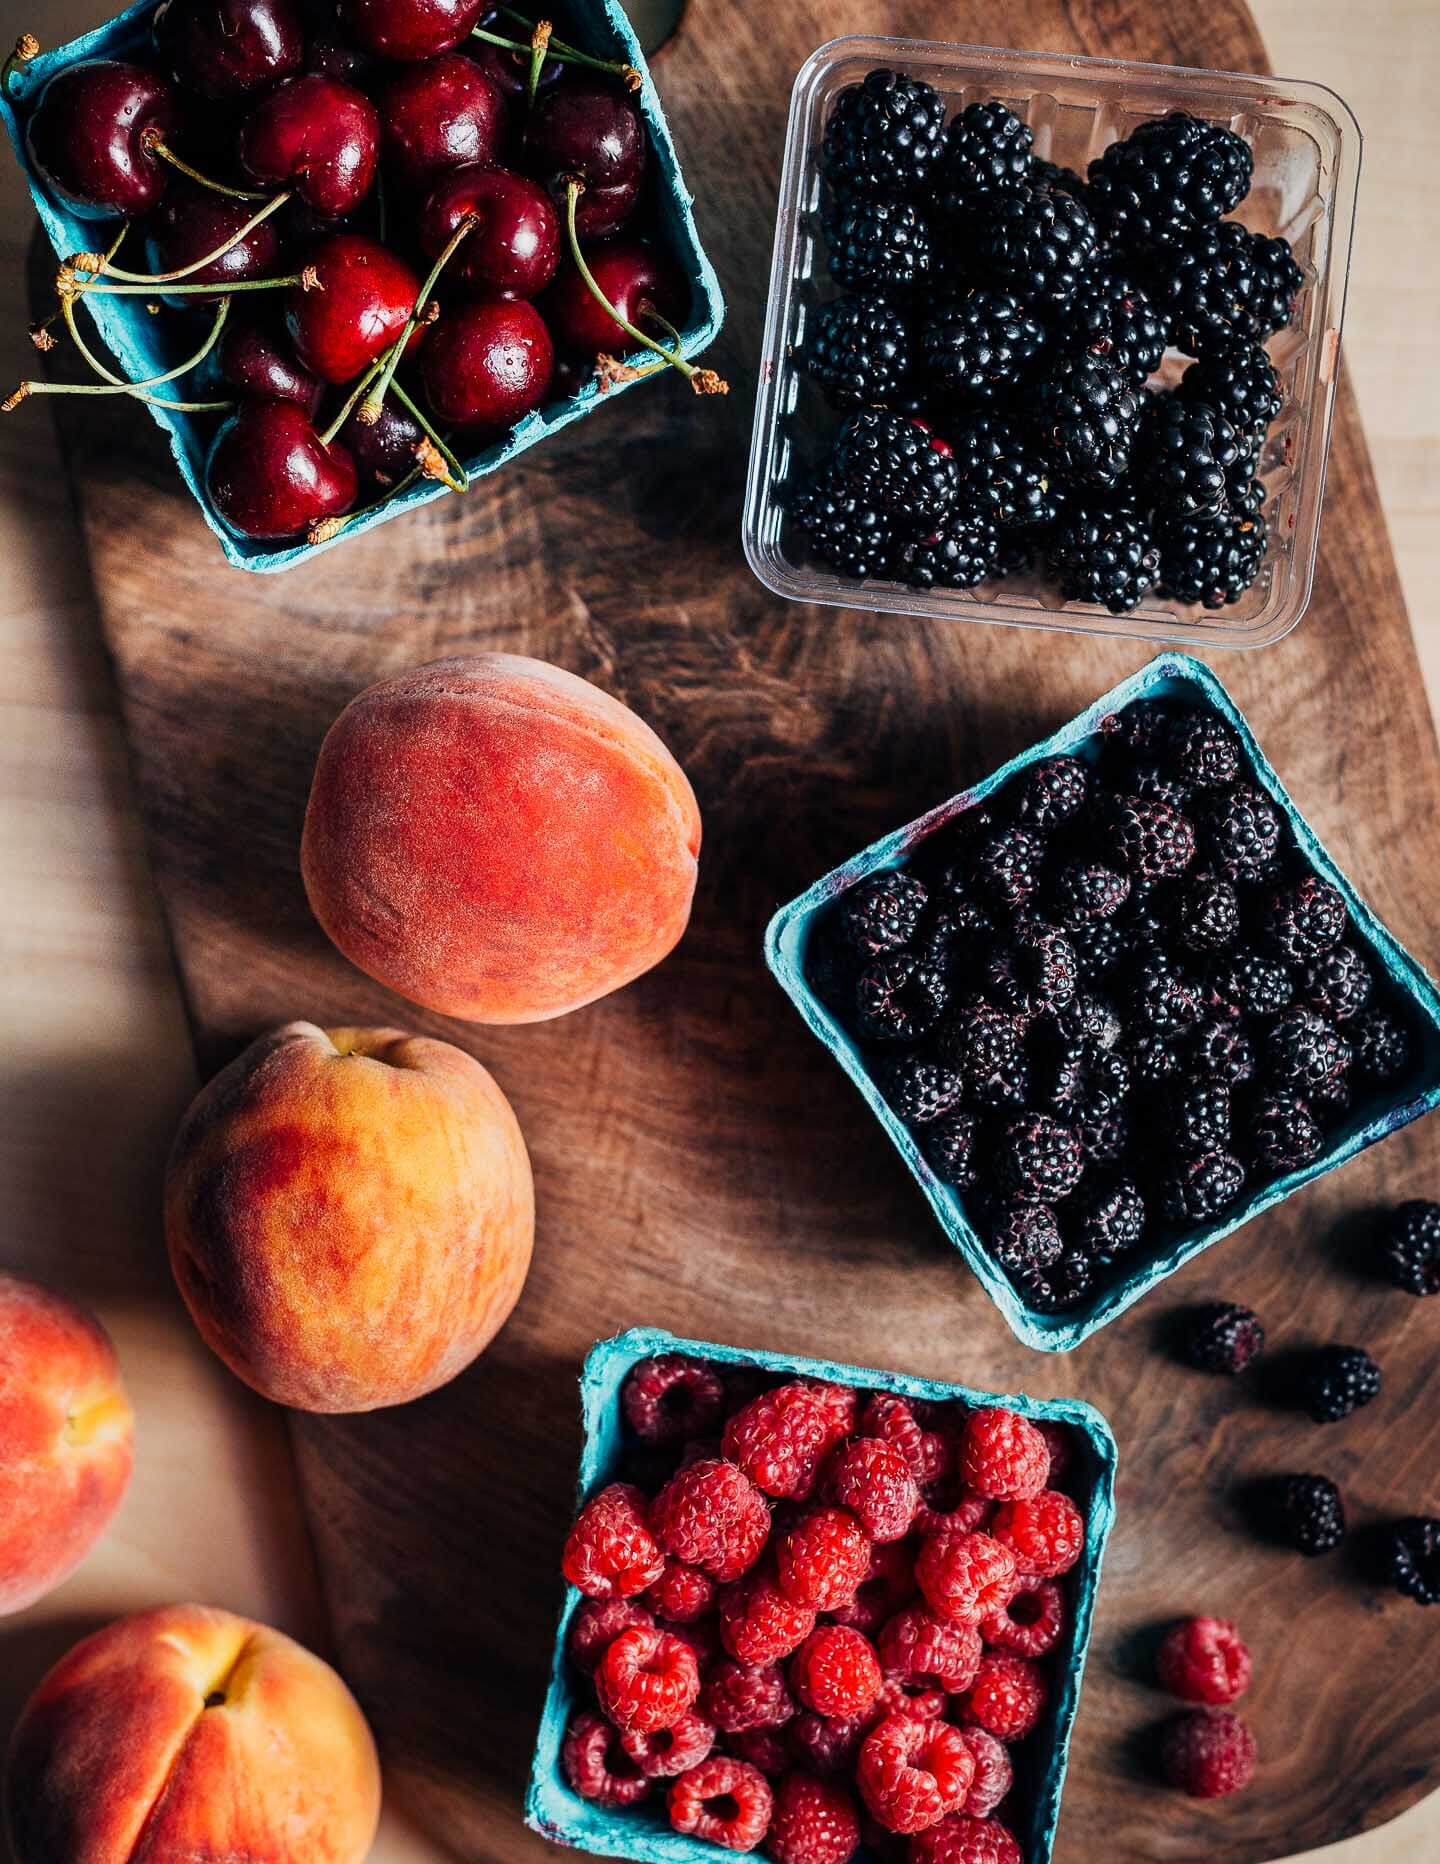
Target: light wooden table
pixel 95 1065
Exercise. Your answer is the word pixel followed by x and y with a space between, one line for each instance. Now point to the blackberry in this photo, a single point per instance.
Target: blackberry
pixel 1332 1100
pixel 1154 1057
pixel 1099 947
pixel 1202 1188
pixel 1002 476
pixel 1254 985
pixel 1237 378
pixel 1169 176
pixel 1381 1045
pixel 1052 791
pixel 1225 282
pixel 1045 174
pixel 1194 1116
pixel 1090 1018
pixel 1104 554
pixel 1110 316
pixel 878 242
pixel 1182 456
pixel 899 998
pixel 1305 920
pixel 1222 1052
pixel 1007 1090
pixel 956 553
pixel 1240 832
pixel 1221 1337
pixel 982 1042
pixel 1147 914
pixel 920 1091
pixel 957 932
pixel 1163 1000
pixel 842 528
pixel 1408 1558
pixel 1035 241
pixel 1008 865
pixel 1065 1286
pixel 1337 1380
pixel 1207 915
pixel 1083 891
pixel 1037 970
pixel 1024 1238
pixel 1282 1134
pixel 861 349
pixel 1305 1512
pixel 978 343
pixel 1410 1247
pixel 1111 1220
pixel 986 146
pixel 1039 1159
pixel 1150 839
pixel 1080 1078
pixel 1105 1136
pixel 1303 1051
pixel 950 1144
pixel 1087 416
pixel 895 464
pixel 1141 731
pixel 882 913
pixel 1157 785
pixel 885 135
pixel 1202 751
pixel 1337 983
pixel 1212 561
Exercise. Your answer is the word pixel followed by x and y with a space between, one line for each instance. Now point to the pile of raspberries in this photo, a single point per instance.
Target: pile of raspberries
pixel 825 1619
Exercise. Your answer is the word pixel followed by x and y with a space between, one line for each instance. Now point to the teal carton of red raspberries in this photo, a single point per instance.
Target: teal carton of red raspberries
pixel 1113 1002
pixel 810 1603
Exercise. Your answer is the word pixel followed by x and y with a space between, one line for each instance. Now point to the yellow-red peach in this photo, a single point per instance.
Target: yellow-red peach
pixel 66 1436
pixel 187 1733
pixel 498 839
pixel 349 1215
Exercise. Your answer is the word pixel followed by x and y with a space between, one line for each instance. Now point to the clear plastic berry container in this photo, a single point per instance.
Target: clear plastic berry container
pixel 642 1832
pixel 1307 164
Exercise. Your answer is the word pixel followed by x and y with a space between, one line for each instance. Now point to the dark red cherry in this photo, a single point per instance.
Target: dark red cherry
pixel 385 451
pixel 439 115
pixel 486 366
pixel 87 137
pixel 317 136
pixel 511 70
pixel 593 130
pixel 328 48
pixel 224 48
pixel 406 30
pixel 270 476
pixel 634 279
pixel 255 356
pixel 514 250
pixel 192 221
pixel 358 306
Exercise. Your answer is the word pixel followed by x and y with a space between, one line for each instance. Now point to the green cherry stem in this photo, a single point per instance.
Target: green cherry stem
pixel 327 528
pixel 117 384
pixel 369 411
pixel 562 54
pixel 539 46
pixel 152 140
pixel 454 474
pixel 306 280
pixel 96 264
pixel 351 400
pixel 27 47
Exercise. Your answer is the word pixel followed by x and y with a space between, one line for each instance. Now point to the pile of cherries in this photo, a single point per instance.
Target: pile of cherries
pixel 295 168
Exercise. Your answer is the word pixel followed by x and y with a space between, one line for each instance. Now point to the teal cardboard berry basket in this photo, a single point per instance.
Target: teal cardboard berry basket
pixel 137 341
pixel 557 1813
pixel 1381 1112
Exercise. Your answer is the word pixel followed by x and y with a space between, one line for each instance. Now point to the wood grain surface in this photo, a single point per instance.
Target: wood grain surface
pixel 700 1164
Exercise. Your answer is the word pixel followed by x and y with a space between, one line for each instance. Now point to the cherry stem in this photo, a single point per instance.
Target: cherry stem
pixel 152 140
pixel 561 53
pixel 27 46
pixel 369 411
pixel 117 384
pixel 458 479
pixel 348 407
pixel 327 528
pixel 703 381
pixel 306 280
pixel 539 46
pixel 82 263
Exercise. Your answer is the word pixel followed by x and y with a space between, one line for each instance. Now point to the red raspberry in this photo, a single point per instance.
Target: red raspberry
pixel 596 1766
pixel 823 1745
pixel 711 1516
pixel 894 1420
pixel 779 1438
pixel 1060 1444
pixel 662 1753
pixel 611 1553
pixel 888 1584
pixel 836 1672
pixel 724 1801
pixel 923 1702
pixel 993 1773
pixel 965 1577
pixel 670 1399
pixel 815 1822
pixel 1007 1696
pixel 737 1697
pixel 842 1406
pixel 758 1624
pixel 1032 1623
pixel 916 1648
pixel 1208 1753
pixel 765 1748
pixel 646 1680
pixel 1046 1534
pixel 681 1594
pixel 822 1559
pixel 1204 1660
pixel 872 1479
pixel 948 1506
pixel 911 1773
pixel 596 1625
pixel 1003 1455
pixel 961 1839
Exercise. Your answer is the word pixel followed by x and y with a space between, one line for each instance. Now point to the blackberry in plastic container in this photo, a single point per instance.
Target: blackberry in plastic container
pixel 1168 177
pixel 1203 1188
pixel 957 552
pixel 861 349
pixel 1210 561
pixel 986 147
pixel 1226 282
pixel 843 528
pixel 879 243
pixel 1282 1134
pixel 1111 316
pixel 1302 1050
pixel 1181 458
pixel 1045 174
pixel 1105 554
pixel 1241 832
pixel 977 343
pixel 885 134
pixel 1035 241
pixel 1237 377
pixel 1002 475
pixel 894 463
pixel 1087 419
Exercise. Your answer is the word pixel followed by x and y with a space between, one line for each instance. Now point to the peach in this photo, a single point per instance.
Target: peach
pixel 349 1214
pixel 66 1436
pixel 191 1733
pixel 498 839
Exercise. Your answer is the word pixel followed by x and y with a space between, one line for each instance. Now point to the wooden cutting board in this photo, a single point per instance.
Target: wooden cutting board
pixel 700 1163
